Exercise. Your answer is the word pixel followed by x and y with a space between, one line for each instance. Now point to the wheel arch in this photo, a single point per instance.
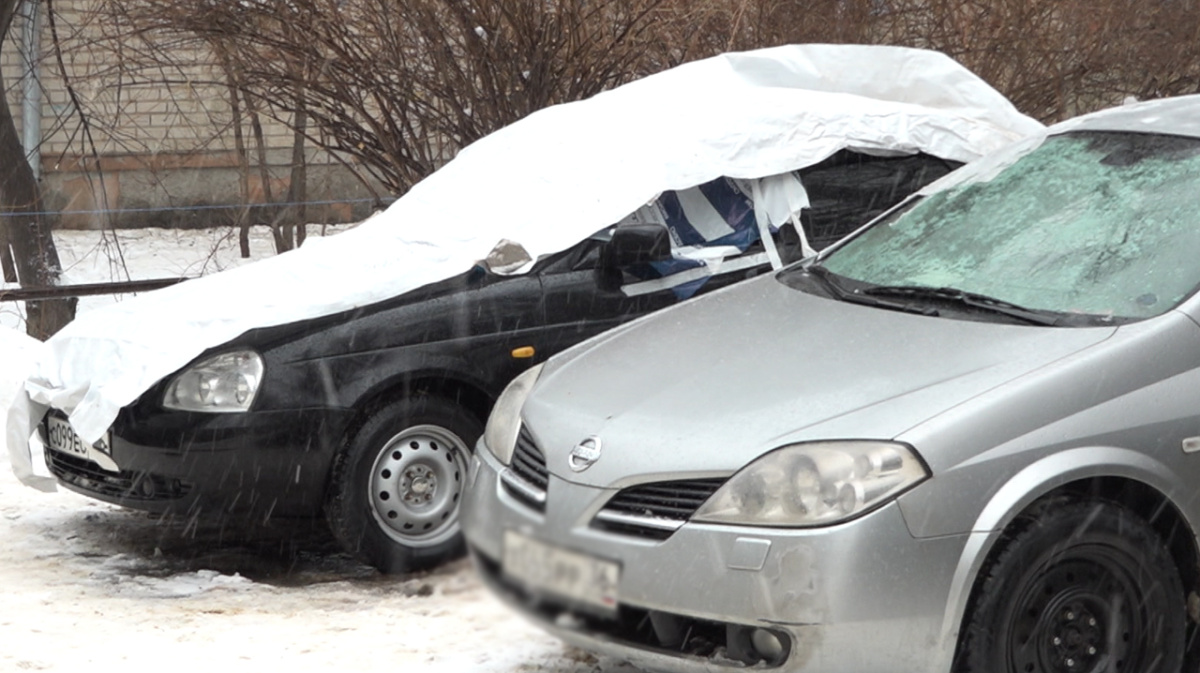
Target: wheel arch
pixel 1133 486
pixel 470 395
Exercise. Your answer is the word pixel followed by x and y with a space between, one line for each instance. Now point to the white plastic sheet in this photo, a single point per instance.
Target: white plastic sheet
pixel 544 182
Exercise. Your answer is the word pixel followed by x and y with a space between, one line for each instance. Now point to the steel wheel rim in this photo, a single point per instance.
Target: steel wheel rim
pixel 416 483
pixel 1079 614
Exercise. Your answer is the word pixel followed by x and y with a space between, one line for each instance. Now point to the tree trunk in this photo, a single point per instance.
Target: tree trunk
pixel 298 185
pixel 28 233
pixel 264 174
pixel 7 267
pixel 239 145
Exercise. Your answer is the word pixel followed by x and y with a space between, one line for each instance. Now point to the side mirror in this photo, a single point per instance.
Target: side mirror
pixel 636 244
pixel 631 244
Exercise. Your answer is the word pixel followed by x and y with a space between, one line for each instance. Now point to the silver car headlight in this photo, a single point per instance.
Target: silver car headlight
pixel 814 484
pixel 504 423
pixel 224 383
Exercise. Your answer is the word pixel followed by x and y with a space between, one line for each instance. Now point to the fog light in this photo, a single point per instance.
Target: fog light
pixel 768 645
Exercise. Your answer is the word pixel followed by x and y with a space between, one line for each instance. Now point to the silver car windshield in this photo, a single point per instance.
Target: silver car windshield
pixel 1096 224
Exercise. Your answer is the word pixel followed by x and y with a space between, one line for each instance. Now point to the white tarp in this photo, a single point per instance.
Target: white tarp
pixel 545 182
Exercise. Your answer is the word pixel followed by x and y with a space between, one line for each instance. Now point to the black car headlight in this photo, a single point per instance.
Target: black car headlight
pixel 504 423
pixel 224 383
pixel 814 484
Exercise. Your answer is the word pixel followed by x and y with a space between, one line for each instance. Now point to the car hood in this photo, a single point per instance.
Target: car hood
pixel 707 386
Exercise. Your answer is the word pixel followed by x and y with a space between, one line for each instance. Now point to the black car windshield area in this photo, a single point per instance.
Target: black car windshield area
pixel 1088 228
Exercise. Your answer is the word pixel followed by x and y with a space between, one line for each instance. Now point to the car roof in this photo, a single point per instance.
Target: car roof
pixel 1172 116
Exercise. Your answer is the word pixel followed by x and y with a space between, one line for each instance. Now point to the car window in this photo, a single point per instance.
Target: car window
pixel 1098 223
pixel 582 256
pixel 849 189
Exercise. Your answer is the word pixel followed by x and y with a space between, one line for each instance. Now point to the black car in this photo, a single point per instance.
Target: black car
pixel 368 417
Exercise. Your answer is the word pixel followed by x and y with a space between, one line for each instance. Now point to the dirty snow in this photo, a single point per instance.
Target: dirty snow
pixel 85 586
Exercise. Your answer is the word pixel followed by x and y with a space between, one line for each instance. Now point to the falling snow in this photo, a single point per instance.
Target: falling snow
pixel 90 587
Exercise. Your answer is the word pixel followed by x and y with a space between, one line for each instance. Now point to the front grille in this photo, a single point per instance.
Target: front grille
pixel 527 478
pixel 655 510
pixel 126 485
pixel 528 461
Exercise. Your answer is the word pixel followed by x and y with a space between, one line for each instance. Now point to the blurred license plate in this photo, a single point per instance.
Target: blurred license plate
pixel 567 574
pixel 61 437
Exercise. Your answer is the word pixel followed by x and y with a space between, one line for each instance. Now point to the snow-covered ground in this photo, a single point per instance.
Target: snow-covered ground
pixel 85 586
pixel 102 257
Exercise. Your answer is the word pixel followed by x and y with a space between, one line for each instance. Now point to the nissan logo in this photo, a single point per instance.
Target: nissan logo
pixel 584 454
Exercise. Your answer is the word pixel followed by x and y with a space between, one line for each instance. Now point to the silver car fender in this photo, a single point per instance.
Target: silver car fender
pixel 1024 488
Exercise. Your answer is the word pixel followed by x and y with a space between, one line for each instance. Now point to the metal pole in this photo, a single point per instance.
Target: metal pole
pixel 31 107
pixel 86 289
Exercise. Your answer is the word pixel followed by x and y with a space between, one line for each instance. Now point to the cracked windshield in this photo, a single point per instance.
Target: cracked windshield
pixel 1095 223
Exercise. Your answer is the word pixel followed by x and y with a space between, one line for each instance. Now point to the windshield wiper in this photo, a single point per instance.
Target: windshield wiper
pixel 964 298
pixel 828 281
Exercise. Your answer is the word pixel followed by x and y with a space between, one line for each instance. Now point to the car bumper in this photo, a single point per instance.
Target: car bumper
pixel 861 596
pixel 255 465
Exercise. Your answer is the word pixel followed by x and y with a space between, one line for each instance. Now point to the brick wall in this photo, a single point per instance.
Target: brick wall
pixel 130 114
pixel 161 145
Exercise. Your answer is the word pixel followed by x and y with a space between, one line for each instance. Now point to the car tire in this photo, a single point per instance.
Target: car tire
pixel 396 487
pixel 1077 586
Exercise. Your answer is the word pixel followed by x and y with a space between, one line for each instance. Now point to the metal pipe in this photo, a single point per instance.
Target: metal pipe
pixel 86 289
pixel 31 106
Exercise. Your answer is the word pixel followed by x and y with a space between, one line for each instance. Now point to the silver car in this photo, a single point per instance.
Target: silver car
pixel 966 438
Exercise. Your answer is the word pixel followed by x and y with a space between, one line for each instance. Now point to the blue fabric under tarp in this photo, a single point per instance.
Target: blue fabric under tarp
pixel 716 213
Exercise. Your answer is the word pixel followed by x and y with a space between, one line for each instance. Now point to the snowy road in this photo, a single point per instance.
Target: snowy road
pixel 89 587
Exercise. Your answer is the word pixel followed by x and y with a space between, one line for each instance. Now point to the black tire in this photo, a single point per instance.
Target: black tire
pixel 395 489
pixel 1078 587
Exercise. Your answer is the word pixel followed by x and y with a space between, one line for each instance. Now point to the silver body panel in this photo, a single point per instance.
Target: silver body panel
pixel 1174 116
pixel 817 585
pixel 1001 414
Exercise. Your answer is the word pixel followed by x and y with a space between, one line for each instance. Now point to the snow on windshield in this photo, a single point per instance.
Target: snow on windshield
pixel 1097 223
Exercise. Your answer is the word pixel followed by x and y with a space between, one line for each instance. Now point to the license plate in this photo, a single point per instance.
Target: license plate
pixel 61 437
pixel 567 574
